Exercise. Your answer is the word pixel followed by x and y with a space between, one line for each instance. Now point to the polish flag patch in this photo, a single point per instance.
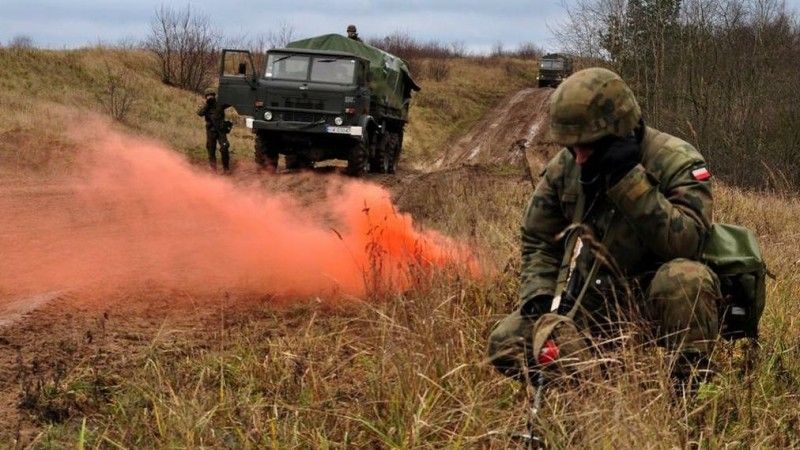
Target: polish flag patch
pixel 701 174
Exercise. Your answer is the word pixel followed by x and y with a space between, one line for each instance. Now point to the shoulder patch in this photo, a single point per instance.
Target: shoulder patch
pixel 701 173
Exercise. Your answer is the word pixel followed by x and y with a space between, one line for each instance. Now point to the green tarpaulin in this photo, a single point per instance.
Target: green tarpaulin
pixel 390 75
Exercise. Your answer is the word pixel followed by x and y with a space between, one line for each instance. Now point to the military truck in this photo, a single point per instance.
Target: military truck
pixel 327 97
pixel 553 69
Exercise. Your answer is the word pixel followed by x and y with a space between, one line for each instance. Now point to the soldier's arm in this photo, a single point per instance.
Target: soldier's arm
pixel 542 222
pixel 202 111
pixel 674 223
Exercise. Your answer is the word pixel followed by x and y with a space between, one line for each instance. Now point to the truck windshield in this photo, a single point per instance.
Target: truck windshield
pixel 333 70
pixel 287 67
pixel 552 64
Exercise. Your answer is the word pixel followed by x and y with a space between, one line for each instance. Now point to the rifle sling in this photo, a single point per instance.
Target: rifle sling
pixel 572 240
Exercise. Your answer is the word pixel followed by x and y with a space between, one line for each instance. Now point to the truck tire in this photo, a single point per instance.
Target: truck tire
pixel 396 147
pixel 382 161
pixel 266 155
pixel 358 158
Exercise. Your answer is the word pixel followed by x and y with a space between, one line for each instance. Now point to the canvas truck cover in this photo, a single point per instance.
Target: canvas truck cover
pixel 390 76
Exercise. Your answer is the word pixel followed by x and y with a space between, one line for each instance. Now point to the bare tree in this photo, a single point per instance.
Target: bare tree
pixel 527 50
pixel 119 94
pixel 497 49
pixel 185 45
pixel 281 35
pixel 720 73
pixel 21 41
pixel 458 49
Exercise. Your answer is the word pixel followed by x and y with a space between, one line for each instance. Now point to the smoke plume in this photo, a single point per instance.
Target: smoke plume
pixel 135 212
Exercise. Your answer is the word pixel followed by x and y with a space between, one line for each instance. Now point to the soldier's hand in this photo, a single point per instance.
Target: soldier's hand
pixel 537 306
pixel 613 158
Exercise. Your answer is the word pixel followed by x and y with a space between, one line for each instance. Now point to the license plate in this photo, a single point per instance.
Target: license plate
pixel 339 130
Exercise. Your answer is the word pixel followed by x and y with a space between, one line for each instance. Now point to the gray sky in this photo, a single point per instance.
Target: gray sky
pixel 479 24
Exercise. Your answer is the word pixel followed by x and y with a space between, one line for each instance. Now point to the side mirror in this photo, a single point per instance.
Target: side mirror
pixel 242 69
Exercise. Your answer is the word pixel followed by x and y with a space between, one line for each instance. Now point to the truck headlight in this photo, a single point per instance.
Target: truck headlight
pixel 338 121
pixel 268 115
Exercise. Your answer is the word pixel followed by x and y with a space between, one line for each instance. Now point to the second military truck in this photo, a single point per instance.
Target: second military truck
pixel 553 69
pixel 327 97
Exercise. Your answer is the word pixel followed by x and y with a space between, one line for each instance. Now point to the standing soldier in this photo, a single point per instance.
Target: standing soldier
pixel 646 196
pixel 352 33
pixel 217 129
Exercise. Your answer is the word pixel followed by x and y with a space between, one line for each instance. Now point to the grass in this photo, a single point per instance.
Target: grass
pixel 407 370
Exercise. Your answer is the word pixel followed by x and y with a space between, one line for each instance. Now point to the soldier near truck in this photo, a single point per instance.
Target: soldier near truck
pixel 646 195
pixel 327 97
pixel 352 33
pixel 217 129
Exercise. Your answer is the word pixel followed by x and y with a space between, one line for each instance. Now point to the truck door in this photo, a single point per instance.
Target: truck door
pixel 238 81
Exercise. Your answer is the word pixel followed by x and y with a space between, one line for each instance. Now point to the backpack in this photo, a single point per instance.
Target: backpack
pixel 732 252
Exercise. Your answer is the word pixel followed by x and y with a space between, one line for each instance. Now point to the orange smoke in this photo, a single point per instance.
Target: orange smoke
pixel 136 212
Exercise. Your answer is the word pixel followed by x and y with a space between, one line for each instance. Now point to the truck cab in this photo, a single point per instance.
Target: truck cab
pixel 313 104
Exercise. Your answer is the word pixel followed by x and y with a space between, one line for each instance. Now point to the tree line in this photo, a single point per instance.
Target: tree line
pixel 722 74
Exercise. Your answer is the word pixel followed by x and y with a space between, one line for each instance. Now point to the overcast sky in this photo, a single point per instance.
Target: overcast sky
pixel 479 24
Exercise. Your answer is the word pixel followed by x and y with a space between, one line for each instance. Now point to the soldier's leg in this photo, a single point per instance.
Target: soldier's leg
pixel 683 303
pixel 224 151
pixel 211 148
pixel 508 343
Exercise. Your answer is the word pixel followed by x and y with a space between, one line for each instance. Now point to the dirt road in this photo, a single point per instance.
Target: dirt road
pixel 513 133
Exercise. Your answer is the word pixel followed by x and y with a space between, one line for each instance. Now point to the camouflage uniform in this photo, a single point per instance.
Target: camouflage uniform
pixel 661 213
pixel 214 114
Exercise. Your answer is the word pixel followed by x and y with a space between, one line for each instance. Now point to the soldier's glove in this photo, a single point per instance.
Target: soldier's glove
pixel 612 157
pixel 537 306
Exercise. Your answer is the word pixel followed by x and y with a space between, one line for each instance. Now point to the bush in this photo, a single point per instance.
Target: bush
pixel 120 93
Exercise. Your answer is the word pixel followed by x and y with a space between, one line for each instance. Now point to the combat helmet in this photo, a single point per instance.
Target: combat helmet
pixel 591 104
pixel 351 28
pixel 210 91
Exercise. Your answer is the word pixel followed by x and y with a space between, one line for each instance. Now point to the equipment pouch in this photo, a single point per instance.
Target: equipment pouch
pixel 732 252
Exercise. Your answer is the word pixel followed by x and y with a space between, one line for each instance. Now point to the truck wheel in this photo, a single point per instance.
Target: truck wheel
pixel 358 159
pixel 383 156
pixel 265 154
pixel 396 146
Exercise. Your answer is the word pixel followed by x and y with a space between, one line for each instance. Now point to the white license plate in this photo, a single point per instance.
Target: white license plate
pixel 339 130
